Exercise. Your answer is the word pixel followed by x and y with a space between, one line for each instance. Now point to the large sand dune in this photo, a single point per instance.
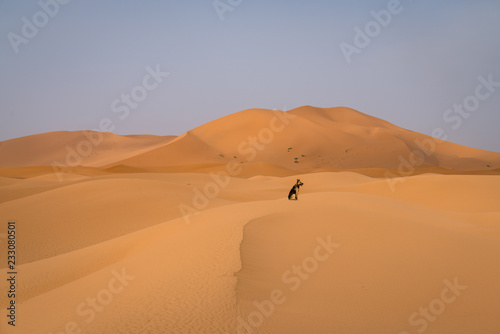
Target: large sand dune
pixel 272 142
pixel 311 138
pixel 152 235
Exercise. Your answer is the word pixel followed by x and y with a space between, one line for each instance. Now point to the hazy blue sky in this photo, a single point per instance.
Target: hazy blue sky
pixel 263 54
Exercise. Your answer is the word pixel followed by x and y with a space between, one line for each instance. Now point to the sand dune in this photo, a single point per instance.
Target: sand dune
pixel 195 234
pixel 312 138
pixel 73 148
pixel 394 254
pixel 302 140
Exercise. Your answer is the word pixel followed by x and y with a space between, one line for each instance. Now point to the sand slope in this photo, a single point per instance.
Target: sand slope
pixel 203 274
pixel 149 234
pixel 312 138
pixel 263 141
pixel 72 148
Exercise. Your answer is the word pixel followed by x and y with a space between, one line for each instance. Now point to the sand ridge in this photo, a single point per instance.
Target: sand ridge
pixel 158 237
pixel 235 252
pixel 313 138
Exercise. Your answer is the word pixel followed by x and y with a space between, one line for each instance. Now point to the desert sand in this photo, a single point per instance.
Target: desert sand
pixel 195 234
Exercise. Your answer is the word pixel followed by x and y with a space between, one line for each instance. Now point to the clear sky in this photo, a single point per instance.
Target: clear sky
pixel 72 68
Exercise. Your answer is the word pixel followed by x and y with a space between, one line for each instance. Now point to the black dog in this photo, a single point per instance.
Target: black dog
pixel 294 192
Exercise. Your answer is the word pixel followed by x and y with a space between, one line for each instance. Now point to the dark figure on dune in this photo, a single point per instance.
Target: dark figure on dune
pixel 294 192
